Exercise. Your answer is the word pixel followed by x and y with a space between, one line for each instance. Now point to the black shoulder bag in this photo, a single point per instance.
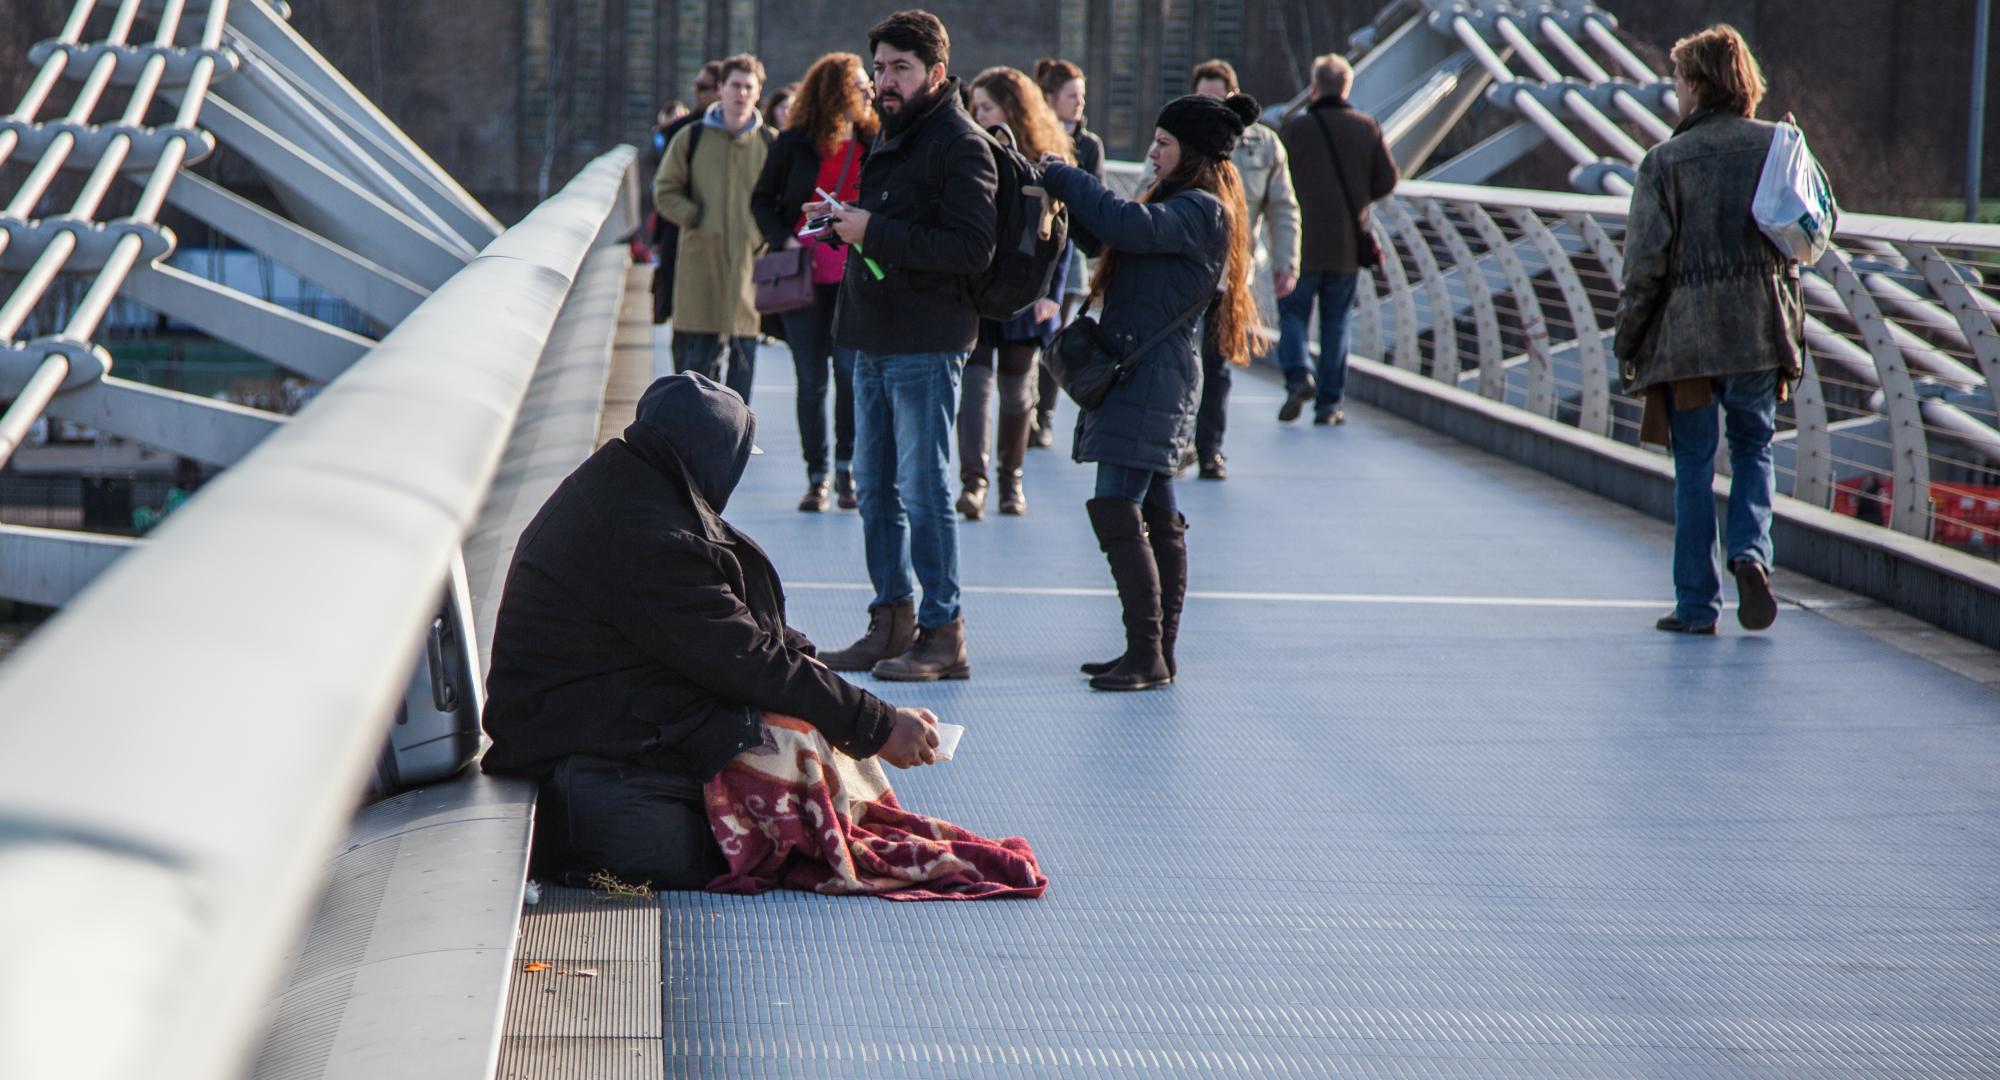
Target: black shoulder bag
pixel 1367 249
pixel 1084 362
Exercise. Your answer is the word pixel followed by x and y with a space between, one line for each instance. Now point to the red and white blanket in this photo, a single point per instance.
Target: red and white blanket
pixel 795 813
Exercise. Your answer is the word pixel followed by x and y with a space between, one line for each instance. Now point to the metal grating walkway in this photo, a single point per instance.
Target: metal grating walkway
pixel 1446 805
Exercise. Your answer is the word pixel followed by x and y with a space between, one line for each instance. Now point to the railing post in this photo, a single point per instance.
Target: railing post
pixel 1409 356
pixel 1534 326
pixel 1908 445
pixel 1594 393
pixel 1485 321
pixel 1812 444
pixel 1444 317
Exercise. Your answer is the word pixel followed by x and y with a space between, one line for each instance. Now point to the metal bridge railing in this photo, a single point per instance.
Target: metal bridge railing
pixel 165 825
pixel 1512 295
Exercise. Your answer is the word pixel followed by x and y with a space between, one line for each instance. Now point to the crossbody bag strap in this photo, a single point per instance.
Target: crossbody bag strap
pixel 1346 196
pixel 1201 303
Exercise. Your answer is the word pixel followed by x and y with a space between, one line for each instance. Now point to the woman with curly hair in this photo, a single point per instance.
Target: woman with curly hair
pixel 825 138
pixel 1182 249
pixel 1007 102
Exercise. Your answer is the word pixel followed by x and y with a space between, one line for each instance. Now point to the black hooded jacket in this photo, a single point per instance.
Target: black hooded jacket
pixel 638 625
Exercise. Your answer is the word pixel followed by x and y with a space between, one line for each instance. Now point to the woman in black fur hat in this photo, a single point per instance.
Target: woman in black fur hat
pixel 1181 250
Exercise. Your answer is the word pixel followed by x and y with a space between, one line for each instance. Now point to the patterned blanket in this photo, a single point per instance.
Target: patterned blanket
pixel 795 813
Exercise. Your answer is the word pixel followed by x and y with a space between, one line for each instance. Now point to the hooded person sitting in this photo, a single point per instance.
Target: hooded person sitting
pixel 639 642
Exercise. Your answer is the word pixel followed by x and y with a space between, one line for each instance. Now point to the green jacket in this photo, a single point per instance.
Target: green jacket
pixel 1705 294
pixel 709 198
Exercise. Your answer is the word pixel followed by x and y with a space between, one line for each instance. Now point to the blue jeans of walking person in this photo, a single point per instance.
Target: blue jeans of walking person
pixel 1749 408
pixel 903 411
pixel 1334 293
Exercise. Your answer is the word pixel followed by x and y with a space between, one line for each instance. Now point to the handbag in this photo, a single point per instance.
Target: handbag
pixel 784 278
pixel 1367 249
pixel 1087 366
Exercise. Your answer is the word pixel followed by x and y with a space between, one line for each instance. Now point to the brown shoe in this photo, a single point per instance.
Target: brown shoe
pixel 938 654
pixel 815 499
pixel 892 629
pixel 972 501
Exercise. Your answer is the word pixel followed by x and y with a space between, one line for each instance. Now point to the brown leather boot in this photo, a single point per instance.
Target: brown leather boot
pixel 892 629
pixel 1013 449
pixel 938 654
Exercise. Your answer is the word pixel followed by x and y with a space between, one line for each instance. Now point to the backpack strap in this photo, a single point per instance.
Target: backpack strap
pixel 1346 195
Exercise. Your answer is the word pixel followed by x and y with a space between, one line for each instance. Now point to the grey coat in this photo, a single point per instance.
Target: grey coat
pixel 1705 293
pixel 1169 256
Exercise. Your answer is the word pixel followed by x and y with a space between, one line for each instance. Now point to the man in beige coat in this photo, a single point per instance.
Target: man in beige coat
pixel 1267 194
pixel 704 186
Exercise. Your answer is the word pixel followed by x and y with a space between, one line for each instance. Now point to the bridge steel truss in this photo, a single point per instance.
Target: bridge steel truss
pixel 166 816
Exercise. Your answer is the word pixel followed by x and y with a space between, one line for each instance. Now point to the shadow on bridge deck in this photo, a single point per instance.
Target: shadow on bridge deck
pixel 1431 797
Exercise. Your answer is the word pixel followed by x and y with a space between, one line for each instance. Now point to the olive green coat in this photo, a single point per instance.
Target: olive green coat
pixel 1705 293
pixel 709 198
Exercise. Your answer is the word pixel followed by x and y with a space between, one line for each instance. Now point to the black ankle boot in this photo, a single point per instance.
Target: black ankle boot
pixel 1121 533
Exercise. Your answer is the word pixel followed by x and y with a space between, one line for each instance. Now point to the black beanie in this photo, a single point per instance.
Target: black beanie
pixel 1208 125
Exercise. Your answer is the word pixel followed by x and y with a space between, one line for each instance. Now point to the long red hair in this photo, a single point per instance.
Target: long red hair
pixel 830 104
pixel 1235 313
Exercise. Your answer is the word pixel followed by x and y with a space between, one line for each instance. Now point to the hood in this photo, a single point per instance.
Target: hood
pixel 690 426
pixel 713 118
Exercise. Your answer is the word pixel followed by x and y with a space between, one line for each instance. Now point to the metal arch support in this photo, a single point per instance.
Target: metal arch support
pixel 1485 321
pixel 1367 317
pixel 1608 253
pixel 1409 353
pixel 1812 446
pixel 211 432
pixel 282 336
pixel 1444 319
pixel 49 566
pixel 1595 394
pixel 1974 320
pixel 1534 326
pixel 383 296
pixel 1909 447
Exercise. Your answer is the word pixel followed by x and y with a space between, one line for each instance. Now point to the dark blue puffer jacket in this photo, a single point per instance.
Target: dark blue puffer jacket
pixel 1169 255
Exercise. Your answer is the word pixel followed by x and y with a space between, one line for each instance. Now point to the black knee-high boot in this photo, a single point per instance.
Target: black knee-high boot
pixel 1121 532
pixel 1167 532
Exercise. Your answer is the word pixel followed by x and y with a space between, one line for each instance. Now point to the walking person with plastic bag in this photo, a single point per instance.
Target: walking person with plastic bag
pixel 1181 250
pixel 1711 314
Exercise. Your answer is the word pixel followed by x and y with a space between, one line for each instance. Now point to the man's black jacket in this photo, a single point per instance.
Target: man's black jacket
pixel 638 625
pixel 928 185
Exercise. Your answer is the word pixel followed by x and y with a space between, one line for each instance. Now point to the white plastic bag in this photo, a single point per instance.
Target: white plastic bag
pixel 1794 204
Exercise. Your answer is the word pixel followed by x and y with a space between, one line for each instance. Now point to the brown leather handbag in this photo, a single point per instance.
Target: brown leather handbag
pixel 784 280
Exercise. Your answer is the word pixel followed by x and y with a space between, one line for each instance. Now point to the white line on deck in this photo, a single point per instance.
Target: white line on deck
pixel 1292 597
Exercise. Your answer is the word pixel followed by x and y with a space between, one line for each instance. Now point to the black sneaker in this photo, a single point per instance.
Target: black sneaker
pixel 1212 468
pixel 1334 417
pixel 1295 403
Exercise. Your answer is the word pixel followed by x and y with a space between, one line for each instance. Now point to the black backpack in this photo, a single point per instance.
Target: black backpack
pixel 1030 232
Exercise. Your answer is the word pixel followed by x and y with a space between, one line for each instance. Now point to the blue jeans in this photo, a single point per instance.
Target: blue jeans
pixel 809 331
pixel 703 353
pixel 1334 293
pixel 1154 492
pixel 903 411
pixel 1749 416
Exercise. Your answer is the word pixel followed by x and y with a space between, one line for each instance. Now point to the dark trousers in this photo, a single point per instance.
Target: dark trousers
pixel 809 331
pixel 641 825
pixel 1213 415
pixel 703 353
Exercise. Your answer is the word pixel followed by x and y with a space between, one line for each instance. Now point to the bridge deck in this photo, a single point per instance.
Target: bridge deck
pixel 1431 797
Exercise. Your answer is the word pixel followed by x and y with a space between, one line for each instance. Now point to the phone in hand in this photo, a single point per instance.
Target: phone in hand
pixel 818 226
